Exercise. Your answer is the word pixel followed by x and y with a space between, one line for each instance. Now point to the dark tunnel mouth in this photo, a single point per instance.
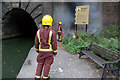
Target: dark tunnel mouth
pixel 18 21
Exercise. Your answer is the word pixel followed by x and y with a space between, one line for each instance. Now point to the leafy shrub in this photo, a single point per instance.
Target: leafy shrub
pixel 66 40
pixel 111 31
pixel 108 40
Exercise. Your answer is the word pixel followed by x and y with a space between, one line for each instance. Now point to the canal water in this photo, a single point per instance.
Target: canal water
pixel 14 52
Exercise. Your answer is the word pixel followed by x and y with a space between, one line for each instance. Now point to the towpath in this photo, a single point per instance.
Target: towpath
pixel 65 65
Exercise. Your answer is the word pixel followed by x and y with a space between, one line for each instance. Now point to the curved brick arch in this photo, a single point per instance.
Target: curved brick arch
pixel 35 10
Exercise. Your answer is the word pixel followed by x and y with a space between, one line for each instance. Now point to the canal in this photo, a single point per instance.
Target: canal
pixel 14 52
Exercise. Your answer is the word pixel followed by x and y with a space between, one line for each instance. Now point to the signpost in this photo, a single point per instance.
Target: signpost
pixel 82 15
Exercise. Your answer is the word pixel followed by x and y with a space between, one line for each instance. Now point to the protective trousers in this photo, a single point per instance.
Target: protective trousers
pixel 44 60
pixel 59 36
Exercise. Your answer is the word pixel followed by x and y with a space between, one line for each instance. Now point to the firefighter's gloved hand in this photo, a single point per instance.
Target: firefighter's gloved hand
pixel 37 51
pixel 54 54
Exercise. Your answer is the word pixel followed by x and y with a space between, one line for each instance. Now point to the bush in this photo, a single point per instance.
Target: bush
pixel 72 46
pixel 111 31
pixel 108 40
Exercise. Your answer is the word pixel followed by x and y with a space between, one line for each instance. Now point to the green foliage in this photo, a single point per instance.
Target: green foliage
pixel 111 32
pixel 66 40
pixel 108 39
pixel 98 67
pixel 72 45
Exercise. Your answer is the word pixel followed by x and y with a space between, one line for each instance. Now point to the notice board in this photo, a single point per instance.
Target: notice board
pixel 82 14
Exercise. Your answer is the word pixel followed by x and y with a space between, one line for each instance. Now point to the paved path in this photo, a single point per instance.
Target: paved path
pixel 65 65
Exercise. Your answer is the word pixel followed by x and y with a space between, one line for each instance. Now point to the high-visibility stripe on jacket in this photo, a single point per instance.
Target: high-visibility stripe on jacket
pixel 46 41
pixel 59 29
pixel 49 42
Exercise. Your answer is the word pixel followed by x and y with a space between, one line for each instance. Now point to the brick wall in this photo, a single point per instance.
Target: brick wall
pixel 110 13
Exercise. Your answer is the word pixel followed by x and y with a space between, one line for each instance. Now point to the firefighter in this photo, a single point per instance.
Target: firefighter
pixel 46 47
pixel 60 32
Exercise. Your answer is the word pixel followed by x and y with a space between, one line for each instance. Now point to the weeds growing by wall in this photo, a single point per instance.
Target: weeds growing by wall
pixel 107 39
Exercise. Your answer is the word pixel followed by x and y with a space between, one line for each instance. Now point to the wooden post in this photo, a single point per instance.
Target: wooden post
pixel 86 27
pixel 76 29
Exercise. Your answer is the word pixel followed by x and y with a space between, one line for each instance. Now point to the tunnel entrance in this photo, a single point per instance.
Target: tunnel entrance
pixel 18 22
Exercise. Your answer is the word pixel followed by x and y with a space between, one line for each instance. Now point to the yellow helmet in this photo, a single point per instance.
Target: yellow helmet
pixel 60 22
pixel 47 20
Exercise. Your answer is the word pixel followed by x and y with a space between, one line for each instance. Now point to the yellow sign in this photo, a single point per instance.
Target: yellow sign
pixel 82 14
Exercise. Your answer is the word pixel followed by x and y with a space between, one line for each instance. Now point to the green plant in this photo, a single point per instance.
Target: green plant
pixel 109 40
pixel 98 67
pixel 111 31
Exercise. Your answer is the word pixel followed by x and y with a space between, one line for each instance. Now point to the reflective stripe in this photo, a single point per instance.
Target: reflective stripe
pixel 37 76
pixel 49 42
pixel 55 51
pixel 59 29
pixel 45 77
pixel 60 38
pixel 38 35
pixel 48 74
pixel 50 36
pixel 37 49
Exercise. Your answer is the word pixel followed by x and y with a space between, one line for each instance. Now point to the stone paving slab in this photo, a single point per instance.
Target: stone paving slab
pixel 29 67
